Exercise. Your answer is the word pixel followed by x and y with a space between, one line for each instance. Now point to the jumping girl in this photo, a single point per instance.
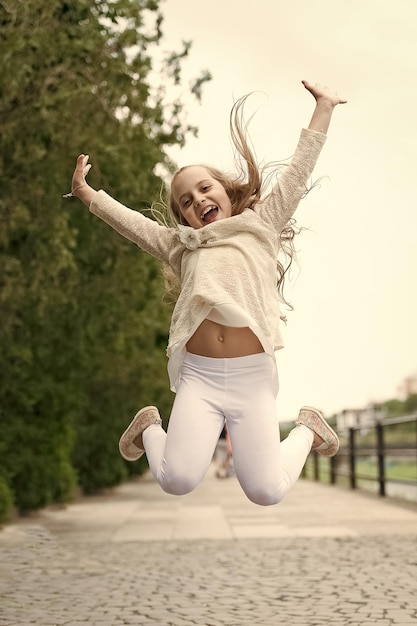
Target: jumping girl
pixel 222 251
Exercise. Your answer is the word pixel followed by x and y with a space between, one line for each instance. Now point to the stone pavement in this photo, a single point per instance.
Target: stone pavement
pixel 212 558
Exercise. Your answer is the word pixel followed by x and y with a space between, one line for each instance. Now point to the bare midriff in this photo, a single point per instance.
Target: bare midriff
pixel 216 341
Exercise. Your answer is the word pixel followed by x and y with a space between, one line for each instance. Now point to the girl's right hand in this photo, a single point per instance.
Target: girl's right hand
pixel 81 170
pixel 79 187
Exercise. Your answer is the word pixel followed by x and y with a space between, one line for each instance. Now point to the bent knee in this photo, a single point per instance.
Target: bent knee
pixel 178 485
pixel 264 497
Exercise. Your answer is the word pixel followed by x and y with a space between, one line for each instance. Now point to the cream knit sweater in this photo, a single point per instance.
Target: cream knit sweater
pixel 227 269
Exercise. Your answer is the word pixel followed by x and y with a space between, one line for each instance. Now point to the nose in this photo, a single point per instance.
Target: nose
pixel 199 200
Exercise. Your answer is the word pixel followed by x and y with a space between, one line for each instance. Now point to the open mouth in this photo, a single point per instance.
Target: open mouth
pixel 209 214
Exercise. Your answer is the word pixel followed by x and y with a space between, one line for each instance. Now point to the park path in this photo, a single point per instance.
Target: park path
pixel 138 556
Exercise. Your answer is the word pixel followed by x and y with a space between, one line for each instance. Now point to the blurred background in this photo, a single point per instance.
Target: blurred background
pixel 144 86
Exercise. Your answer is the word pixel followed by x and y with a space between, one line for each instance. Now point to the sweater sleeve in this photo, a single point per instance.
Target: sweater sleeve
pixel 279 206
pixel 146 233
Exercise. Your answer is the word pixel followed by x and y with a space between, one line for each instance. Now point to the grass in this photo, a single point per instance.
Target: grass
pixel 395 469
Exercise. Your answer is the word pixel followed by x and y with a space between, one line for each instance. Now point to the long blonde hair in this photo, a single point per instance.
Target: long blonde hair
pixel 244 190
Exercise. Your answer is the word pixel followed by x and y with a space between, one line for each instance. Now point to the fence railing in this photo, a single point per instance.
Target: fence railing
pixel 380 457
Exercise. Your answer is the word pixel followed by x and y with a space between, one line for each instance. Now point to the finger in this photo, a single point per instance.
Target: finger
pixel 80 161
pixel 310 87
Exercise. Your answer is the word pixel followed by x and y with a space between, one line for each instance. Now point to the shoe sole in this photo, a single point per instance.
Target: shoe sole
pixel 331 447
pixel 127 449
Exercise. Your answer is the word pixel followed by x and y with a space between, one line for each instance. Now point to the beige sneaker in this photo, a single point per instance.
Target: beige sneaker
pixel 314 420
pixel 143 418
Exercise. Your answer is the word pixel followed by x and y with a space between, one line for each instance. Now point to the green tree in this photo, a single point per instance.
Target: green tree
pixel 410 404
pixel 83 330
pixel 393 408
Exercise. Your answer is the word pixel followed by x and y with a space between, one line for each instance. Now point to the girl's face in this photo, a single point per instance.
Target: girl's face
pixel 200 197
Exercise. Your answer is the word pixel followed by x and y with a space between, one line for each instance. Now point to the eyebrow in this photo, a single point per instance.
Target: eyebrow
pixel 187 193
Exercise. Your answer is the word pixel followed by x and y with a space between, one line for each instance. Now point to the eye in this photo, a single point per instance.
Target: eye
pixel 186 203
pixel 205 187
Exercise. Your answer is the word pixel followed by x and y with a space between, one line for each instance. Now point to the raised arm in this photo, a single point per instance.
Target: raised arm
pixel 279 206
pixel 326 101
pixel 149 235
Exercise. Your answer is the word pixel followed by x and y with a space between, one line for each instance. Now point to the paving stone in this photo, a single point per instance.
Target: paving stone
pixel 324 556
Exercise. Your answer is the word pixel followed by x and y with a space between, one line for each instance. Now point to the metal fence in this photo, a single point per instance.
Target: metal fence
pixel 380 457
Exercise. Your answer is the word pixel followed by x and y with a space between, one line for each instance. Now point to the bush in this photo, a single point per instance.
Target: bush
pixel 83 327
pixel 6 500
pixel 41 472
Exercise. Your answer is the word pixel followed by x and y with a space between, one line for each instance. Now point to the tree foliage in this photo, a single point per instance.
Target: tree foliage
pixel 83 332
pixel 400 408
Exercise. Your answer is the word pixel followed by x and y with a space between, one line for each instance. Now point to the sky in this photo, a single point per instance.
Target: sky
pixel 351 339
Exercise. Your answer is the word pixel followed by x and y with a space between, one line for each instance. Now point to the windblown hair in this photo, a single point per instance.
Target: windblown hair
pixel 244 190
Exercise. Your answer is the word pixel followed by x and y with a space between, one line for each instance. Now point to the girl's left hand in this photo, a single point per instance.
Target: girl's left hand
pixel 323 93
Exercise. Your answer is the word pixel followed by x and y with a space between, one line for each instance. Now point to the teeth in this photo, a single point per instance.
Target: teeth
pixel 206 210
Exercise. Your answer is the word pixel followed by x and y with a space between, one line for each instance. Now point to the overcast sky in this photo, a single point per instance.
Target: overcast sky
pixel 351 339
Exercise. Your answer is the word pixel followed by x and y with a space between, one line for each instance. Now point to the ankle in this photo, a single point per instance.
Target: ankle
pixel 317 441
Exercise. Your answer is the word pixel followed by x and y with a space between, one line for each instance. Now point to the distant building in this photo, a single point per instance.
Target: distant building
pixel 366 417
pixel 359 418
pixel 409 386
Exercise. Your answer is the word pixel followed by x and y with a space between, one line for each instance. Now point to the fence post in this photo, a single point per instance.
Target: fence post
pixel 333 472
pixel 352 458
pixel 380 455
pixel 316 468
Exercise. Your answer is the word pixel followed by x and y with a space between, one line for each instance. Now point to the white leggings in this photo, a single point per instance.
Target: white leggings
pixel 240 391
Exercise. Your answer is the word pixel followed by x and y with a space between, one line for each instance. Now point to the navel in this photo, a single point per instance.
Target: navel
pixel 220 338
